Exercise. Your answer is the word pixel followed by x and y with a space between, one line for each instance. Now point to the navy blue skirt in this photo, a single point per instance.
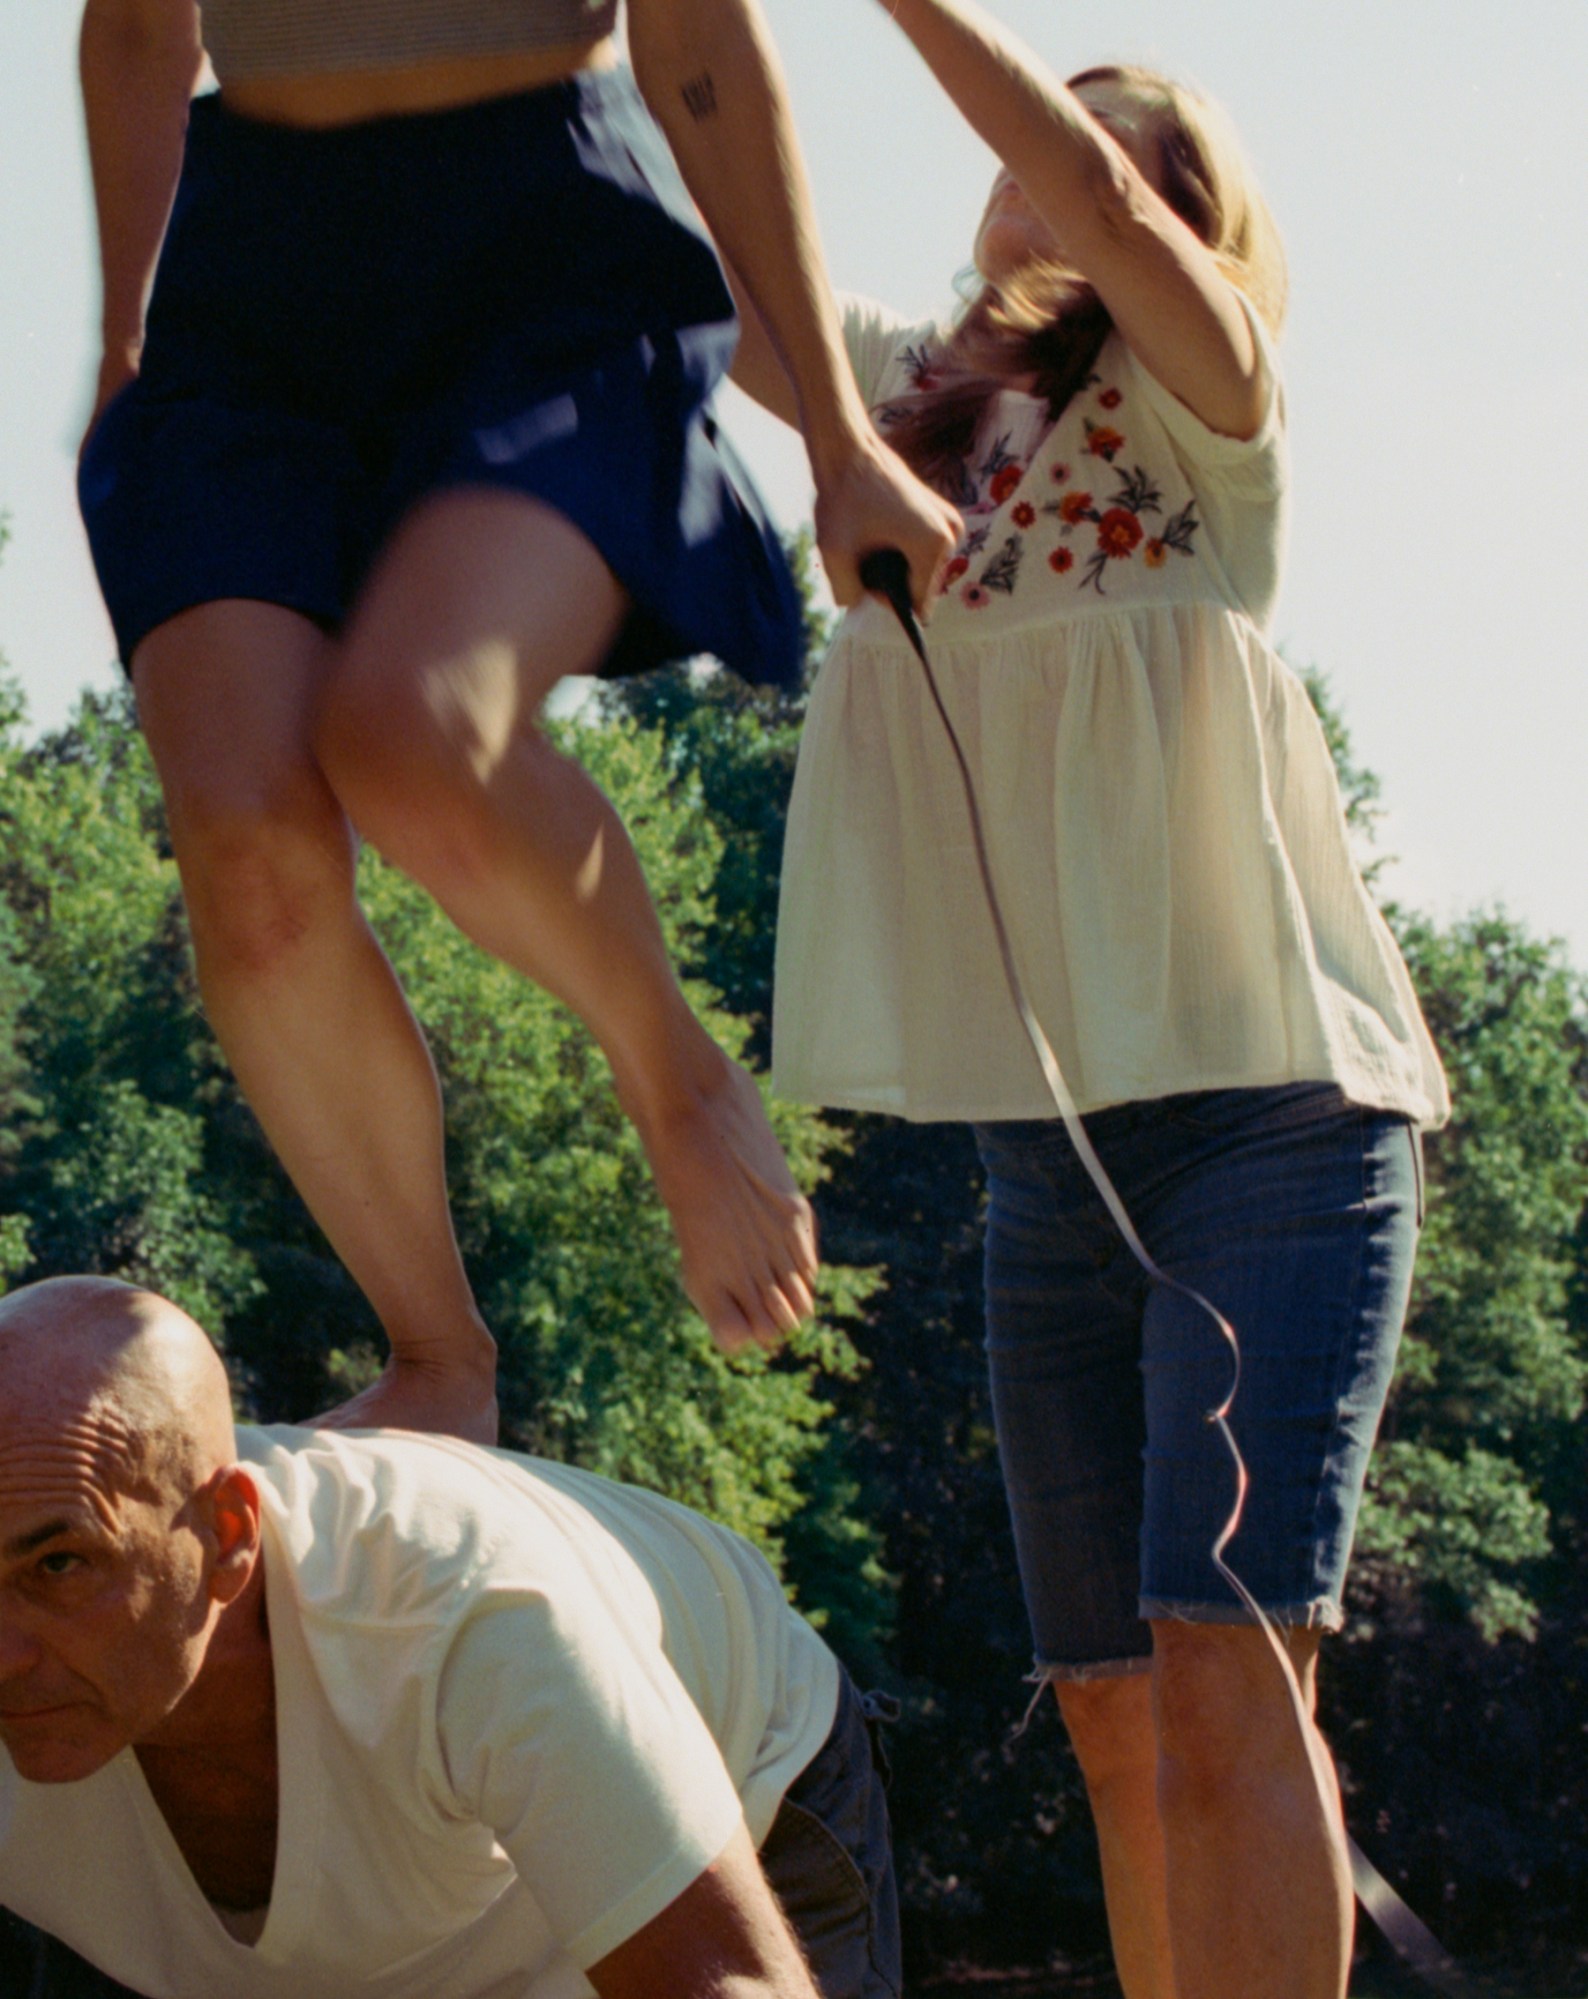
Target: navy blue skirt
pixel 514 294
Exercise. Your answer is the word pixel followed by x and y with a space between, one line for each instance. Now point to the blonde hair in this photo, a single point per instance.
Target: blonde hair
pixel 1048 324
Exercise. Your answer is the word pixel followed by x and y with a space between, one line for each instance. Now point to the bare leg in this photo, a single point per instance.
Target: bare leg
pixel 301 996
pixel 1259 1882
pixel 429 735
pixel 1110 1723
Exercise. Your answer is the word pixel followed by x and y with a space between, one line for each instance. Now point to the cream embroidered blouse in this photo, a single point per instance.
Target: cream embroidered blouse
pixel 1161 809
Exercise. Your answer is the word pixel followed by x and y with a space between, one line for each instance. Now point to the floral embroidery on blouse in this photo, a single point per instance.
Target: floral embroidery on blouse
pixel 1120 518
pixel 1103 441
pixel 920 364
pixel 1119 526
pixel 1003 571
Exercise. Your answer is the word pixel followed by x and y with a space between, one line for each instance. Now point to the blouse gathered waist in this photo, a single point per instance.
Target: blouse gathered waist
pixel 1167 843
pixel 248 39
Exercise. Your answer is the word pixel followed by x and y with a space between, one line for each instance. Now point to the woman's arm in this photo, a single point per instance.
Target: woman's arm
pixel 709 73
pixel 1162 288
pixel 139 61
pixel 756 368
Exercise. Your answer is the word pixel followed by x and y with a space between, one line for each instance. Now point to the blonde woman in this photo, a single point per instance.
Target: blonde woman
pixel 418 420
pixel 1225 1002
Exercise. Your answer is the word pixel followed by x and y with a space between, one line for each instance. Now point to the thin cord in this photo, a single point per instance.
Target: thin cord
pixel 885 572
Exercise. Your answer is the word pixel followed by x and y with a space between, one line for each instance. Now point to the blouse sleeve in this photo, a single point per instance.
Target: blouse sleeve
pixel 875 337
pixel 574 1741
pixel 1241 484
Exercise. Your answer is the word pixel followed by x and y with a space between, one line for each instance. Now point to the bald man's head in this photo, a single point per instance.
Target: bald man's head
pixel 129 1364
pixel 126 1528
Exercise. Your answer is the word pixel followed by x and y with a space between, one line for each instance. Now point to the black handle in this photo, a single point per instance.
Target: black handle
pixel 885 571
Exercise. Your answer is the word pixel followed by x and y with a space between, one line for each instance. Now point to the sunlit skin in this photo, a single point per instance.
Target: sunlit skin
pixel 1011 235
pixel 123 1588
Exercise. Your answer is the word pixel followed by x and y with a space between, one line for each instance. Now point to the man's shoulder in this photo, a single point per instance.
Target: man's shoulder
pixel 400 1522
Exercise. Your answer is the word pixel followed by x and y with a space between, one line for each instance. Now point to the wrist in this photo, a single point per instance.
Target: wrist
pixel 121 347
pixel 836 440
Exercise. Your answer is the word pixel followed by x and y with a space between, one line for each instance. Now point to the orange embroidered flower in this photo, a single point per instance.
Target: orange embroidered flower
pixel 974 597
pixel 1074 507
pixel 1024 514
pixel 955 570
pixel 1111 399
pixel 1005 482
pixel 1154 554
pixel 1118 533
pixel 1062 559
pixel 1102 441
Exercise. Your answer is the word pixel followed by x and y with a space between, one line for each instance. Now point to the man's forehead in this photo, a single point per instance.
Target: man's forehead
pixel 83 1466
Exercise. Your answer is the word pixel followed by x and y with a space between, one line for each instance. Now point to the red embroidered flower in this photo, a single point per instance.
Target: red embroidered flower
pixel 1154 554
pixel 1102 442
pixel 1118 533
pixel 1024 514
pixel 974 597
pixel 1062 559
pixel 1074 507
pixel 1005 482
pixel 955 570
pixel 1111 399
pixel 1059 473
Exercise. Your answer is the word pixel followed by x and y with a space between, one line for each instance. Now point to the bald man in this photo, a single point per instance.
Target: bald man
pixel 303 1713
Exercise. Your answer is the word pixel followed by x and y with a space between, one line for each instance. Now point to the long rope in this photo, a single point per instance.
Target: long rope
pixel 885 572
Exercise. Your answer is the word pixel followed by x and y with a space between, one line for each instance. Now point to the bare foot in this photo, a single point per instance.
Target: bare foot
pixel 449 1393
pixel 745 1232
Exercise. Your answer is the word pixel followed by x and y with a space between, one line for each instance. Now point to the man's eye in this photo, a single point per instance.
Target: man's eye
pixel 60 1563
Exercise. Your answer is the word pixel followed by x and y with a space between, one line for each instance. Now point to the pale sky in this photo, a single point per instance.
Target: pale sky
pixel 1427 164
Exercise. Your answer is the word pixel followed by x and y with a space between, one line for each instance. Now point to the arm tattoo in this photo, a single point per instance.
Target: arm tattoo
pixel 700 97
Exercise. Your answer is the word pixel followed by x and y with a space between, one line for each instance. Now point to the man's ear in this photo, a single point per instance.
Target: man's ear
pixel 229 1504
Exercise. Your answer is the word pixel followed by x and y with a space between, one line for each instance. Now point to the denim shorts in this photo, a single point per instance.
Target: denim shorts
pixel 514 294
pixel 1295 1213
pixel 829 1858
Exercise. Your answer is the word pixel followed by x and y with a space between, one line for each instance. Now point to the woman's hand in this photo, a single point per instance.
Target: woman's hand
pixel 869 499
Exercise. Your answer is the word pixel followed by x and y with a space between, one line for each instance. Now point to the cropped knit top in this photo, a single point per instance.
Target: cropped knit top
pixel 1161 811
pixel 260 38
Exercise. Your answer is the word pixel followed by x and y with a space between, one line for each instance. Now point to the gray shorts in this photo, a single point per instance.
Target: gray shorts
pixel 829 1858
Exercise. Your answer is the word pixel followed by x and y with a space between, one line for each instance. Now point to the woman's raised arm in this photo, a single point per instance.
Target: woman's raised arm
pixel 1161 285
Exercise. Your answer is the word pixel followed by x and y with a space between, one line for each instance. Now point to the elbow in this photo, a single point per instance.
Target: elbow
pixel 1121 204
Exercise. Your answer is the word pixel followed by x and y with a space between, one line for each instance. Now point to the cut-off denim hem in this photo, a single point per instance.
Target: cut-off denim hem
pixel 1320 1616
pixel 1051 1671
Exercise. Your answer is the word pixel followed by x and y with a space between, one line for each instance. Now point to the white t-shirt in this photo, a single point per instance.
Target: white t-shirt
pixel 1162 817
pixel 520 1708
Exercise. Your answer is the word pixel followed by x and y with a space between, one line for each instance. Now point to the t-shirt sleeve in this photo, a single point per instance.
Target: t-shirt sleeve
pixel 1241 484
pixel 874 336
pixel 574 1741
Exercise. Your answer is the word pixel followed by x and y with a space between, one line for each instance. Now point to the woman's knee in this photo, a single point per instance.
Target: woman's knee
pixel 412 752
pixel 1110 1725
pixel 1223 1704
pixel 262 874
